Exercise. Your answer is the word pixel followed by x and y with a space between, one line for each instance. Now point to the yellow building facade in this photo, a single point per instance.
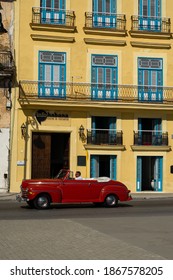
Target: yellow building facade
pixel 94 91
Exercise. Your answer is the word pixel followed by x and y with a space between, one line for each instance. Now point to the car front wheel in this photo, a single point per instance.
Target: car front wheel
pixel 42 201
pixel 111 200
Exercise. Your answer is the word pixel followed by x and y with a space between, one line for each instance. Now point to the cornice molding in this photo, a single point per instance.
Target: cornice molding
pixel 150 45
pixel 105 42
pixel 105 147
pixel 150 35
pixel 105 31
pixel 52 27
pixel 37 37
pixel 151 148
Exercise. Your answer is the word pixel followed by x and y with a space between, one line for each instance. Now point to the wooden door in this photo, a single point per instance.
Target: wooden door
pixel 41 153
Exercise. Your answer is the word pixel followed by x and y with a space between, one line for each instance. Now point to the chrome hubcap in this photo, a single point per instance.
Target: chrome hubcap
pixel 111 200
pixel 42 201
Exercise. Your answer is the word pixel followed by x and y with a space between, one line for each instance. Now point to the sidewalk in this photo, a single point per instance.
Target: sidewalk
pixel 135 196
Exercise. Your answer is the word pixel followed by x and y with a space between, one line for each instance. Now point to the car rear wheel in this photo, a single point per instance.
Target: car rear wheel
pixel 111 200
pixel 42 201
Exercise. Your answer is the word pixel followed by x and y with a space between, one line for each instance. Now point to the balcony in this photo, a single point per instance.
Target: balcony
pixel 104 137
pixel 151 26
pixel 7 66
pixel 151 140
pixel 41 90
pixel 105 22
pixel 47 18
pixel 150 137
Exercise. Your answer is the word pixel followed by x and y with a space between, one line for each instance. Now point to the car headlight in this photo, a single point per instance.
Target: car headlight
pixel 24 190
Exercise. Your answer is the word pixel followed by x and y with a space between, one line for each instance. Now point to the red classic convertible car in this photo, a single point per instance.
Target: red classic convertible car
pixel 40 193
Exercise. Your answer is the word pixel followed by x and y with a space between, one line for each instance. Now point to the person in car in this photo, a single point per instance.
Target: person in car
pixel 78 175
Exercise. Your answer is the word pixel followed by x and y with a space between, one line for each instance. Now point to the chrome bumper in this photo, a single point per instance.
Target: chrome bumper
pixel 19 198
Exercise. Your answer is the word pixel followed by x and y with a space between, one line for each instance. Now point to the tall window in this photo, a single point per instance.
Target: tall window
pixel 104 13
pixel 52 74
pixel 150 79
pixel 104 77
pixel 53 11
pixel 149 15
pixel 103 165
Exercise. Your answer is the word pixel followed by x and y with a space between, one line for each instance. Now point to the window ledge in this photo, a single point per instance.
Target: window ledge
pixel 105 31
pixel 105 147
pixel 53 27
pixel 150 45
pixel 37 37
pixel 104 42
pixel 151 148
pixel 150 34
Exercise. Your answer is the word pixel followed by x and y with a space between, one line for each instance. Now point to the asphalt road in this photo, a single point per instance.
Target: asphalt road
pixel 139 229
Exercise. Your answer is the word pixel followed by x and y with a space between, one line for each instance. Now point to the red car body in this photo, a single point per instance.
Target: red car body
pixel 40 193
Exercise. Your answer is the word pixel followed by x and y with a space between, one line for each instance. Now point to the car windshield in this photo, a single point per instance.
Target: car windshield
pixel 61 174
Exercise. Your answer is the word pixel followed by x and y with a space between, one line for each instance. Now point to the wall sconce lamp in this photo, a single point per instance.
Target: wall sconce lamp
pixel 81 133
pixel 23 129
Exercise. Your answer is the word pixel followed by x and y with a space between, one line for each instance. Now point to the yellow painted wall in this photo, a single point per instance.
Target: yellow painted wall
pixel 79 71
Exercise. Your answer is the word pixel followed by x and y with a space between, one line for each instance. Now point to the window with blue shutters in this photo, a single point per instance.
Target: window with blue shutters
pixel 52 74
pixel 150 79
pixel 149 168
pixel 150 131
pixel 149 15
pixel 104 77
pixel 103 130
pixel 104 13
pixel 103 165
pixel 53 11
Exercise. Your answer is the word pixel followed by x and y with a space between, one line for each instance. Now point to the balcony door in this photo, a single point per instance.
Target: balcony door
pixel 150 79
pixel 104 77
pixel 103 130
pixel 149 15
pixel 52 74
pixel 104 13
pixel 103 166
pixel 149 168
pixel 53 11
pixel 150 131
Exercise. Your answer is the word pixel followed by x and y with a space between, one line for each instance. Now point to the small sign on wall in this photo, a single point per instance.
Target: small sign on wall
pixel 81 160
pixel 20 162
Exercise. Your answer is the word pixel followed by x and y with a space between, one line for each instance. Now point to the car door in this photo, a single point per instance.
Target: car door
pixel 76 191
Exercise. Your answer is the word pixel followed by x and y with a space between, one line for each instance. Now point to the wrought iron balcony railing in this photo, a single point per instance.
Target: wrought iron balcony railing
pixel 42 15
pixel 94 92
pixel 6 62
pixel 150 137
pixel 105 21
pixel 104 137
pixel 150 24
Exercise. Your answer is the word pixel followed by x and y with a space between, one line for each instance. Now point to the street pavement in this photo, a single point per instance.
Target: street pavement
pixel 65 239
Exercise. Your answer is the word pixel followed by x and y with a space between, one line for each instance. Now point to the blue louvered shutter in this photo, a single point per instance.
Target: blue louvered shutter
pixel 94 166
pixel 139 174
pixel 113 161
pixel 158 173
pixel 112 132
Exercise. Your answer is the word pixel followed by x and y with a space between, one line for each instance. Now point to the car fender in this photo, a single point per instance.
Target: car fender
pixel 55 194
pixel 106 190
